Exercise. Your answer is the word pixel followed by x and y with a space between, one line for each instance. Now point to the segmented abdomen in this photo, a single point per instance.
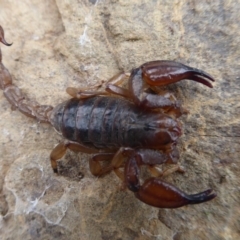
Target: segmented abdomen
pixel 104 122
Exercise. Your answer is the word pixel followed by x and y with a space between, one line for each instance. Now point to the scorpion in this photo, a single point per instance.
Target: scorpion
pixel 126 127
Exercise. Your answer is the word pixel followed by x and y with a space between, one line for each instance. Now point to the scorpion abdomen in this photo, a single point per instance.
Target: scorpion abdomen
pixel 109 122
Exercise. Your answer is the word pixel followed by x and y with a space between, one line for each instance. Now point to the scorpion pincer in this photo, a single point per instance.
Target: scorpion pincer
pixel 128 128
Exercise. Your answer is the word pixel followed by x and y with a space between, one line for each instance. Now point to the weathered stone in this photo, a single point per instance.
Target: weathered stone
pixel 57 44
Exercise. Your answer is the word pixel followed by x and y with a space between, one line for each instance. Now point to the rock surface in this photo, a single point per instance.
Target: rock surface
pixel 80 43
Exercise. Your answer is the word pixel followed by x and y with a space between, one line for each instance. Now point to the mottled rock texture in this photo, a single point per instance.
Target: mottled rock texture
pixel 57 44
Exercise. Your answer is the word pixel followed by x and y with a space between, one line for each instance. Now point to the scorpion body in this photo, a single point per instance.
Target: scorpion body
pixel 128 128
pixel 110 122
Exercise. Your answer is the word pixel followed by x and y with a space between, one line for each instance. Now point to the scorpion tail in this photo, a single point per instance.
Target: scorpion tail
pixel 5 77
pixel 15 96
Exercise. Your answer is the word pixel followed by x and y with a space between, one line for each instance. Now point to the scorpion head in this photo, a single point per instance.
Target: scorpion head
pixel 163 130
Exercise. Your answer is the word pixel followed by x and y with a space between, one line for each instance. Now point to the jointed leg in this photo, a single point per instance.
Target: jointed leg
pixel 118 78
pixel 96 168
pixel 116 161
pixel 60 150
pixel 172 156
pixel 159 173
pixel 111 88
pixel 81 94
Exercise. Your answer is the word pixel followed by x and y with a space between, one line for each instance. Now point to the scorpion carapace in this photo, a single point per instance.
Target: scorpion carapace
pixel 128 128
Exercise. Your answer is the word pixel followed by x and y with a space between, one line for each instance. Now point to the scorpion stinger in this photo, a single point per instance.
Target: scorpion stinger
pixel 2 39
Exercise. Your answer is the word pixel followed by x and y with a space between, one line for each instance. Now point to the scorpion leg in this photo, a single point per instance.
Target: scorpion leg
pixel 172 158
pixel 160 73
pixel 158 173
pixel 82 93
pixel 60 150
pixel 15 96
pixel 154 191
pixel 96 168
pixel 118 78
pixel 111 88
pixel 117 161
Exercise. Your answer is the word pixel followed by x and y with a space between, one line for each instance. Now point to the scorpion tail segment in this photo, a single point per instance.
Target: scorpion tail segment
pixel 159 73
pixel 15 96
pixel 5 77
pixel 2 39
pixel 160 194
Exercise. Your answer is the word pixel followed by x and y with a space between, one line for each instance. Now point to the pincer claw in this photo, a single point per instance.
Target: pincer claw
pixel 158 193
pixel 159 73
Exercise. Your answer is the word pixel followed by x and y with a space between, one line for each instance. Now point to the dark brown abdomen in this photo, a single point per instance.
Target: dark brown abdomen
pixel 109 122
pixel 98 121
